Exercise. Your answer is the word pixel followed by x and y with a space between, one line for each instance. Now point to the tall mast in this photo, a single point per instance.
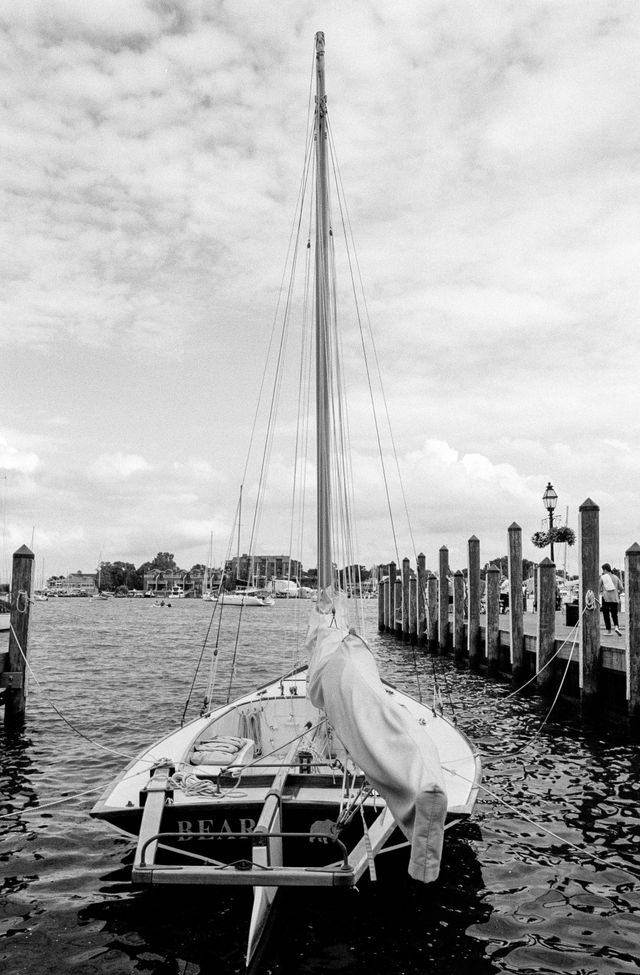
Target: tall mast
pixel 322 309
pixel 239 521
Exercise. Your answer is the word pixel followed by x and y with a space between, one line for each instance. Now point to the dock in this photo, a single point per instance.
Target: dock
pixel 459 613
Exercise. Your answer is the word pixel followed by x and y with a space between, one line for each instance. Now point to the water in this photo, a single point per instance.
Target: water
pixel 511 896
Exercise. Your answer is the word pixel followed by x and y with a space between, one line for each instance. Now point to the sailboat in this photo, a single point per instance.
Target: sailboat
pixel 244 594
pixel 307 780
pixel 41 595
pixel 100 593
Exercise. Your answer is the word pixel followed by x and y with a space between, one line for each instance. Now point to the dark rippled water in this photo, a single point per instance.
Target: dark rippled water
pixel 512 897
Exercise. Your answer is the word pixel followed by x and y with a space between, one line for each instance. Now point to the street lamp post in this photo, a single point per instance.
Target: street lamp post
pixel 550 500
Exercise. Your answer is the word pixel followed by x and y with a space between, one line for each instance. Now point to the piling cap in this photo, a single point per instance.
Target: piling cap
pixel 588 505
pixel 24 552
pixel 514 527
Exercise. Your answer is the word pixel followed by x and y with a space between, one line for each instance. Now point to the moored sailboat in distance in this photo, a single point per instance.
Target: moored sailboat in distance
pixel 307 779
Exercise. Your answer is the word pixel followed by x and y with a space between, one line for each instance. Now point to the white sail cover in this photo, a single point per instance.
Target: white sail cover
pixel 393 750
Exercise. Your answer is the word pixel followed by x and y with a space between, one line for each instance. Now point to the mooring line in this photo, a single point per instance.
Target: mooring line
pixel 549 832
pixel 92 741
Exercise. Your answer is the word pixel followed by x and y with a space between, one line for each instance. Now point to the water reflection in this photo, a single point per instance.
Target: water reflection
pixel 548 882
pixel 394 926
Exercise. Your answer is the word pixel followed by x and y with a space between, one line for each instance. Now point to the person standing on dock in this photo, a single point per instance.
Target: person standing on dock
pixel 610 589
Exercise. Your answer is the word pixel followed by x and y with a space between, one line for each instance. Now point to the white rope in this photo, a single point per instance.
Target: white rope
pixel 549 832
pixel 590 603
pixel 54 802
pixel 191 785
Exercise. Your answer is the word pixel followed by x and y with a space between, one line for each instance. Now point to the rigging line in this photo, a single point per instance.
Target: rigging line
pixel 301 383
pixel 195 675
pixel 574 630
pixel 279 370
pixel 343 455
pixel 53 802
pixel 309 142
pixel 213 666
pixel 341 441
pixel 347 224
pixel 538 825
pixel 50 702
pixel 260 760
pixel 488 758
pixel 79 795
pixel 232 672
pixel 298 490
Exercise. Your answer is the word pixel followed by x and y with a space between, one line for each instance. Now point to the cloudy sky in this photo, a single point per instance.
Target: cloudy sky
pixel 151 152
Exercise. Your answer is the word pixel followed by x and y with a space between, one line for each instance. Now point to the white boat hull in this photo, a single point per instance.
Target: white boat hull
pixel 205 837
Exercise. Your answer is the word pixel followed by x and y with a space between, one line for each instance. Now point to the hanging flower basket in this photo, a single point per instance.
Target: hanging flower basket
pixel 560 536
pixel 564 535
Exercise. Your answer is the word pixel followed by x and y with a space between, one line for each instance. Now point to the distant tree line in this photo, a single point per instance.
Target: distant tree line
pixel 117 576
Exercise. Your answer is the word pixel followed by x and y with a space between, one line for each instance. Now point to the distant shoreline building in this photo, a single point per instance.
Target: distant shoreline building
pixel 74 584
pixel 260 570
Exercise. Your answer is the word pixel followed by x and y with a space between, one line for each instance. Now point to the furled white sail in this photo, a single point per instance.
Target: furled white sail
pixel 389 744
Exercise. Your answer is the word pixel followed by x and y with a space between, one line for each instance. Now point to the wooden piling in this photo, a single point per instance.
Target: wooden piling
pixel 398 608
pixel 13 678
pixel 406 598
pixel 421 602
pixel 632 637
pixel 432 611
pixel 492 630
pixel 459 641
pixel 381 598
pixel 516 621
pixel 546 624
pixel 413 610
pixel 392 598
pixel 443 599
pixel 473 600
pixel 589 522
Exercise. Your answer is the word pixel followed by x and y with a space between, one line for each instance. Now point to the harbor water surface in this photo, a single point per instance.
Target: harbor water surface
pixel 545 878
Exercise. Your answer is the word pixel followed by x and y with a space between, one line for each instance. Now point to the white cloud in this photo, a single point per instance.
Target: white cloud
pixel 15 458
pixel 118 466
pixel 151 158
